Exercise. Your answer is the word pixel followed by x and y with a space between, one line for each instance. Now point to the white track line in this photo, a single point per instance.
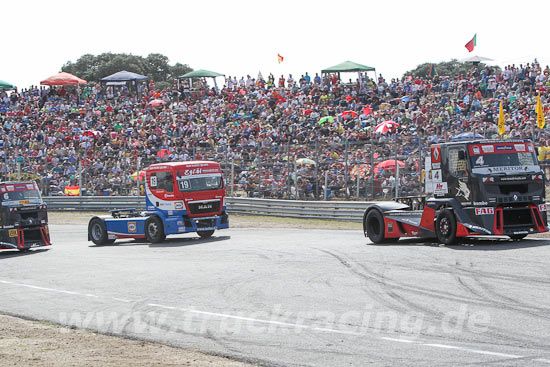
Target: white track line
pixel 286 324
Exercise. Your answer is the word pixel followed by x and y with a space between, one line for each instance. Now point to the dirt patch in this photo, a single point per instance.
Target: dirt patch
pixel 30 343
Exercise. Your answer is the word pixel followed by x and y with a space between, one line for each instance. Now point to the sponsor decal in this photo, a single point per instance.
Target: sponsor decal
pixel 441 188
pixel 436 175
pixel 542 207
pixel 181 229
pixel 170 212
pixel 519 147
pixel 190 172
pixel 530 148
pixel 463 190
pixel 521 232
pixel 2 189
pixel 488 179
pixel 485 211
pixel 205 206
pixel 9 187
pixel 436 154
pixel 24 202
pixel 513 178
pixel 12 232
pixel 180 223
pixel 488 148
pixel 30 186
pixel 390 227
pixel 178 205
pixel 506 168
pixel 132 227
pixel 480 203
pixel 504 148
pixel 476 150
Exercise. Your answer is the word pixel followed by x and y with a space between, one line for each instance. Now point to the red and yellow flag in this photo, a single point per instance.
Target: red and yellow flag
pixel 72 190
pixel 280 58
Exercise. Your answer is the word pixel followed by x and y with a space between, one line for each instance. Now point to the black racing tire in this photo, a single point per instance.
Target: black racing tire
pixel 445 227
pixel 205 234
pixel 97 230
pixel 517 237
pixel 154 230
pixel 374 226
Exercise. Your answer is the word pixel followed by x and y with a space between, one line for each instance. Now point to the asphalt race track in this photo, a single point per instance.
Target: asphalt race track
pixel 291 297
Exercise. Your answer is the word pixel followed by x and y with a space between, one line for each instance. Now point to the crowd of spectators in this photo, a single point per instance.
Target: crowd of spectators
pixel 261 129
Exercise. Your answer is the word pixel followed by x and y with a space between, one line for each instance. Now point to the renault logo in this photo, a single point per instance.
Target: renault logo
pixel 515 198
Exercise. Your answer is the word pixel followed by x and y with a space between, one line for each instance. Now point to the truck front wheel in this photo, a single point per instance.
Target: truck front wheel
pixel 154 230
pixel 375 226
pixel 205 234
pixel 97 230
pixel 445 227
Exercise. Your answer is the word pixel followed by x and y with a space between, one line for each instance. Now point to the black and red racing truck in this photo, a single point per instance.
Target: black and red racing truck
pixel 23 216
pixel 481 187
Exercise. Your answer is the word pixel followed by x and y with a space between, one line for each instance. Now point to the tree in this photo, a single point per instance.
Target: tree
pixel 446 68
pixel 156 66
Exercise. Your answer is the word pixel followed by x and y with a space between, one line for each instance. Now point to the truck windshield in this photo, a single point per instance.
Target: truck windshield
pixel 504 160
pixel 200 183
pixel 21 195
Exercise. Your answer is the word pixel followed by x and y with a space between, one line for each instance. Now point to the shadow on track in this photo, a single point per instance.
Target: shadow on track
pixel 4 254
pixel 169 242
pixel 472 243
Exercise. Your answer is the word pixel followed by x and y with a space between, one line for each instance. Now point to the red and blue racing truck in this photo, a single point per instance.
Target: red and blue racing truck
pixel 23 216
pixel 483 187
pixel 181 197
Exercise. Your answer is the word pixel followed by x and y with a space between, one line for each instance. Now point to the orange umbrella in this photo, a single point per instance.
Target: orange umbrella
pixel 63 79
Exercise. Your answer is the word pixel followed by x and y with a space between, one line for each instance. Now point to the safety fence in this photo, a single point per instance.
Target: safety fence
pixel 351 211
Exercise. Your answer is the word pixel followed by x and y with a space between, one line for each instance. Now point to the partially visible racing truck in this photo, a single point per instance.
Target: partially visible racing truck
pixel 481 187
pixel 23 216
pixel 181 197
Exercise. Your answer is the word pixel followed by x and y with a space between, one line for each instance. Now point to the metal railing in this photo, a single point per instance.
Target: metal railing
pixel 351 211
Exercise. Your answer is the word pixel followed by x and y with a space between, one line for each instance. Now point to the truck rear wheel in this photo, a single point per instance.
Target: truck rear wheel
pixel 205 234
pixel 97 230
pixel 445 227
pixel 154 230
pixel 375 226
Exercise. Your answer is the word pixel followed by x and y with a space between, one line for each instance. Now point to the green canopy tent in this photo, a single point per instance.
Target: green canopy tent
pixel 348 67
pixel 201 73
pixel 6 86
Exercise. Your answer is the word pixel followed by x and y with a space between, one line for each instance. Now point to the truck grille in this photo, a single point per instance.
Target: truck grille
pixel 204 207
pixel 517 217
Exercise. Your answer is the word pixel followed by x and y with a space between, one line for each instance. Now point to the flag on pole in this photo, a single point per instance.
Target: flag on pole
pixel 280 58
pixel 501 129
pixel 432 71
pixel 470 45
pixel 540 114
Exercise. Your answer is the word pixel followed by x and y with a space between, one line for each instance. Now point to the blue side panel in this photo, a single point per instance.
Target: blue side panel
pixel 126 226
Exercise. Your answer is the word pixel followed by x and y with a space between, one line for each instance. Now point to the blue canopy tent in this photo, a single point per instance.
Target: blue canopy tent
pixel 122 77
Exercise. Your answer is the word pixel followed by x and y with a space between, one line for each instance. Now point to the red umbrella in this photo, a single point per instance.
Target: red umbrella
pixel 386 126
pixel 349 113
pixel 389 164
pixel 63 79
pixel 163 152
pixel 156 103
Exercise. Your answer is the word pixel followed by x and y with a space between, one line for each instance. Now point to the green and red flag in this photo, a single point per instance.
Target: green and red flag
pixel 470 45
pixel 432 71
